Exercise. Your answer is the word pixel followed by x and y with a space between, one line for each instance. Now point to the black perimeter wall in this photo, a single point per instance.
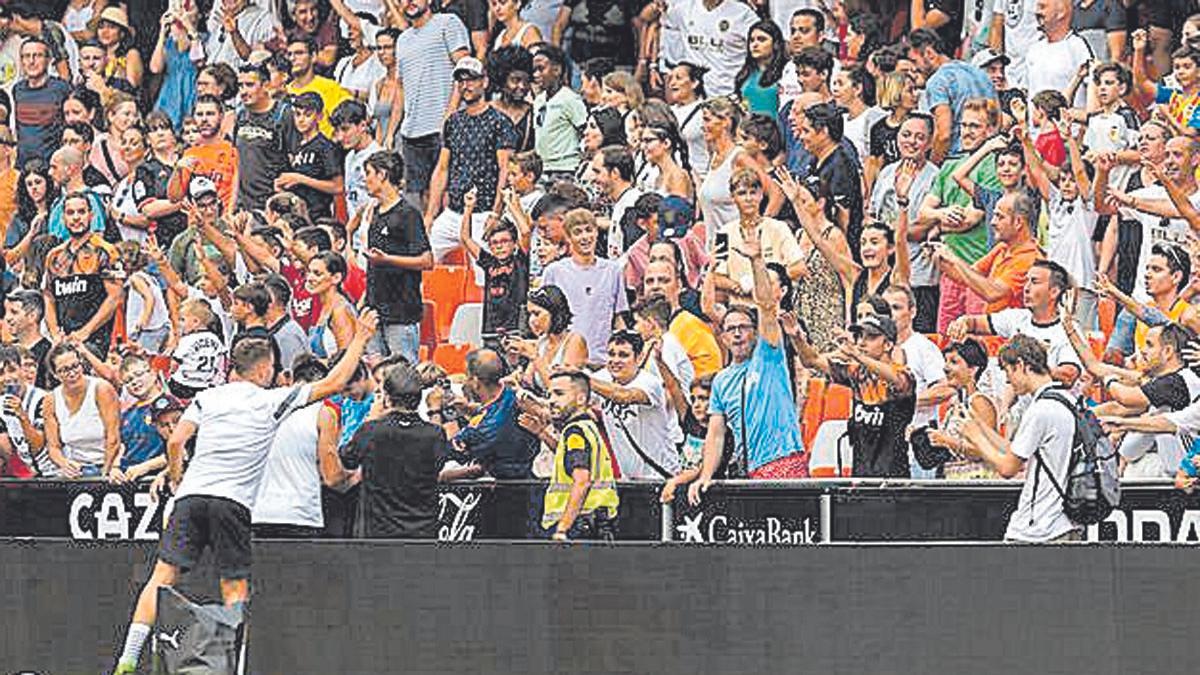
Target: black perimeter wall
pixel 385 607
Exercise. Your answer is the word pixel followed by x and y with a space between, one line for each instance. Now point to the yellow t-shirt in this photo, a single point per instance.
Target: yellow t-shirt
pixel 331 94
pixel 1140 330
pixel 698 341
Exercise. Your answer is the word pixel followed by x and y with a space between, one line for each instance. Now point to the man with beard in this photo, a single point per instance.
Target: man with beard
pixel 264 132
pixel 478 141
pixel 581 500
pixel 212 156
pixel 949 85
pixel 425 97
pixel 80 290
pixel 300 51
pixel 946 210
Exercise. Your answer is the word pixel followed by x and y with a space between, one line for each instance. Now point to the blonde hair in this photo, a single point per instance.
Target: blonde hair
pixel 197 309
pixel 891 88
pixel 624 82
pixel 577 217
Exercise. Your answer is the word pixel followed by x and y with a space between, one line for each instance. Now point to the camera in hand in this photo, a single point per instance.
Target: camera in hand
pixel 928 455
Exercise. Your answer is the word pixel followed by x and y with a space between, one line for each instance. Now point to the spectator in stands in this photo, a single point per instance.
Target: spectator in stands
pixel 399 455
pixel 81 291
pixel 66 168
pixel 493 439
pixel 505 265
pixel 266 132
pixel 1044 437
pixel 554 344
pixel 947 207
pixel 23 313
pixel 924 359
pixel 144 449
pixel 1044 290
pixel 37 103
pixel 949 85
pixel 559 114
pixel 303 457
pixel 352 131
pixel 1159 382
pixel 999 276
pixel 652 320
pixel 581 500
pixel 22 436
pixel 425 60
pixel 286 332
pixel 314 170
pixel 663 279
pixel 83 419
pixel 235 29
pixel 753 394
pixel 883 390
pixel 477 144
pixel 595 287
pixel 966 362
pixel 1168 274
pixel 639 417
pixel 397 252
pixel 302 51
pixel 335 326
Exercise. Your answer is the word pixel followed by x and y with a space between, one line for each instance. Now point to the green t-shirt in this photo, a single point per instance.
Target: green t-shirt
pixel 972 244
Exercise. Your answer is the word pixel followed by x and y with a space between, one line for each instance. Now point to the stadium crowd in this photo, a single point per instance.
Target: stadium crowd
pixel 577 241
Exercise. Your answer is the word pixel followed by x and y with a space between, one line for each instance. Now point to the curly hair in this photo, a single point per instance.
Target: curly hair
pixel 504 61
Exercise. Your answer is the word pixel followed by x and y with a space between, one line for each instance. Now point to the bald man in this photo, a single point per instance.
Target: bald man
pixel 491 441
pixel 66 170
pixel 1056 56
pixel 662 279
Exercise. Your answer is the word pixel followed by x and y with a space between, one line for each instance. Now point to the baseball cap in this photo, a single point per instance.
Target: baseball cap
pixel 200 186
pixel 675 217
pixel 879 325
pixel 165 404
pixel 986 56
pixel 468 68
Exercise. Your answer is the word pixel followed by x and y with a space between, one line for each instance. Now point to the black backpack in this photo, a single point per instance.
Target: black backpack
pixel 1091 489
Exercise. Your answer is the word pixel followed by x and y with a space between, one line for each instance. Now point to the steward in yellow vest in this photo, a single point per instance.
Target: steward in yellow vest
pixel 581 501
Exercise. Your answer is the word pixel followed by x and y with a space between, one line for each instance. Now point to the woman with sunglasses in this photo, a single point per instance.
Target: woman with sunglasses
pixel 554 344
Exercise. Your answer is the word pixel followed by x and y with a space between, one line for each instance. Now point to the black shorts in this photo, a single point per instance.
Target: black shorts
pixel 199 522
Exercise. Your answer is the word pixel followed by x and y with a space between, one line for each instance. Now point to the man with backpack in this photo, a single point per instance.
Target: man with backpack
pixel 1044 440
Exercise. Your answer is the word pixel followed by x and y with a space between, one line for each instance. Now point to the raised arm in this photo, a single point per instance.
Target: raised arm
pixel 811 216
pixel 464 231
pixel 520 219
pixel 962 172
pixel 1077 168
pixel 768 308
pixel 341 373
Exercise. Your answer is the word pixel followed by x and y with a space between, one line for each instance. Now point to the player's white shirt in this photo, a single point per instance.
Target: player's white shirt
pixel 715 39
pixel 236 425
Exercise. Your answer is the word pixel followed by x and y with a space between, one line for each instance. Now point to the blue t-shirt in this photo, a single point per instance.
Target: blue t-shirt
pixel 770 414
pixel 139 436
pixel 953 84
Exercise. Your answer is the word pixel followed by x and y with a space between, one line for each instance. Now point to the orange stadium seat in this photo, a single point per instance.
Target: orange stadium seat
pixel 453 358
pixel 993 343
pixel 445 287
pixel 429 337
pixel 456 256
pixel 837 403
pixel 472 292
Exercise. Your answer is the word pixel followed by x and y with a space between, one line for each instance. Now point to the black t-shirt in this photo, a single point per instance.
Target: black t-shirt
pixel 602 28
pixel 506 283
pixel 150 182
pixel 262 142
pixel 396 293
pixel 951 31
pixel 399 455
pixel 473 13
pixel 473 141
pixel 1169 392
pixel 844 175
pixel 319 158
pixel 876 425
pixel 882 141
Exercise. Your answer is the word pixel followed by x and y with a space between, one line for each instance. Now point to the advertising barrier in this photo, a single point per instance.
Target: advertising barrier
pixel 740 513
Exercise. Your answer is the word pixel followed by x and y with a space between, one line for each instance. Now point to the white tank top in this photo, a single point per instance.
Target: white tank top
pixel 716 203
pixel 515 42
pixel 290 491
pixel 134 304
pixel 82 432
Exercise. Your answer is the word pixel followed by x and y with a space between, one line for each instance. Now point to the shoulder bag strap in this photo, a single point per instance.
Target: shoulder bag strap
pixel 638 449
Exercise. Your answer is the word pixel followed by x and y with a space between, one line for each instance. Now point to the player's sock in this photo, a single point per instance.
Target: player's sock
pixel 135 639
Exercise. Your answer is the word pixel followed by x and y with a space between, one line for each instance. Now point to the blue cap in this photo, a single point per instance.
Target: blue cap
pixel 675 217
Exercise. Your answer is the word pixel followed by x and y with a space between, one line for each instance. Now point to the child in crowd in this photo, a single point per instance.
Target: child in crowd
pixel 1048 107
pixel 1115 127
pixel 505 265
pixel 1010 170
pixel 200 355
pixel 147 321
